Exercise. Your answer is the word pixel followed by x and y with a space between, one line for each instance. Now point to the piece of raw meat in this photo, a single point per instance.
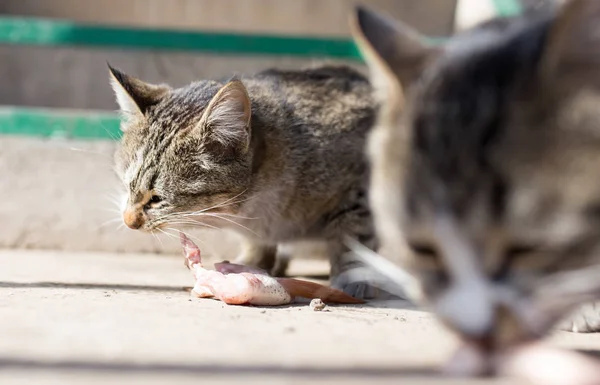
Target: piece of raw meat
pixel 239 285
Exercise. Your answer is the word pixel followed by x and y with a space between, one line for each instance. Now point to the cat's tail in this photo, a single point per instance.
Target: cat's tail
pixel 306 289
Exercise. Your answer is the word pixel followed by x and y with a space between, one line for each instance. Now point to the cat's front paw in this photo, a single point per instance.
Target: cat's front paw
pixel 362 283
pixel 585 320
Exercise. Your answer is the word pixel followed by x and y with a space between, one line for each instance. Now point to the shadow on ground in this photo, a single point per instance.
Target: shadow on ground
pixel 394 303
pixel 202 369
pixel 91 286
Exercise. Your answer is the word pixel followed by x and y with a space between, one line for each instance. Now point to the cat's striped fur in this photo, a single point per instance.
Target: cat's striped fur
pixel 277 156
pixel 486 161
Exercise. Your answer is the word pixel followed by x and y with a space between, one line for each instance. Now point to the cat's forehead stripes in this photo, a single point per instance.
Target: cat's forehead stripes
pixel 459 113
pixel 163 124
pixel 134 168
pixel 142 172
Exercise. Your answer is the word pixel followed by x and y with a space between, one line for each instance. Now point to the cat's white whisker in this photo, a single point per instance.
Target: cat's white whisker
pixel 165 233
pixel 110 221
pixel 113 199
pixel 114 211
pixel 236 216
pixel 108 156
pixel 158 239
pixel 182 221
pixel 232 198
pixel 196 223
pixel 185 233
pixel 182 215
pixel 230 221
pixel 117 200
pixel 109 132
pixel 225 203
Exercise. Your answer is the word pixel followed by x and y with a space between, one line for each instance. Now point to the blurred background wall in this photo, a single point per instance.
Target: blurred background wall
pixel 60 193
pixel 77 77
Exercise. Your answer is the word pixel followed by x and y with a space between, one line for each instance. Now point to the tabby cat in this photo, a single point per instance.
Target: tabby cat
pixel 277 156
pixel 486 167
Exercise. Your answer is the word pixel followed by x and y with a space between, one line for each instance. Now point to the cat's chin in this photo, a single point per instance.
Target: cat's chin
pixel 532 362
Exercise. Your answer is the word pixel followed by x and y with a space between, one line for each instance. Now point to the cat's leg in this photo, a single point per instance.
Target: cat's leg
pixel 586 319
pixel 580 286
pixel 282 260
pixel 258 255
pixel 350 274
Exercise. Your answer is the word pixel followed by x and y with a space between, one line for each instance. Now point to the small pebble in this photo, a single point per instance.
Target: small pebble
pixel 317 305
pixel 263 311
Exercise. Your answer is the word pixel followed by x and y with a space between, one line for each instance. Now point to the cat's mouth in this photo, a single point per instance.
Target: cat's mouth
pixel 154 228
pixel 533 362
pixel 161 227
pixel 513 347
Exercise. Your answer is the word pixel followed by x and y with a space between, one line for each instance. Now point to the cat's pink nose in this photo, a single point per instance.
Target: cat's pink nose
pixel 133 219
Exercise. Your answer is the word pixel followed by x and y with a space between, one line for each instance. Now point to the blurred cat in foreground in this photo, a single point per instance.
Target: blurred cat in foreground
pixel 485 166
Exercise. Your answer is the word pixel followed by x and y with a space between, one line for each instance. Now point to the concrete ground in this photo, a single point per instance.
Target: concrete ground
pixel 77 318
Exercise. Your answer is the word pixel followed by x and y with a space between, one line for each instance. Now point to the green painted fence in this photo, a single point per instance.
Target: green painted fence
pixel 101 125
pixel 105 125
pixel 44 32
pixel 57 123
pixel 508 7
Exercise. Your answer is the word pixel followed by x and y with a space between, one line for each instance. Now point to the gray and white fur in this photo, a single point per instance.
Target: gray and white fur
pixel 486 162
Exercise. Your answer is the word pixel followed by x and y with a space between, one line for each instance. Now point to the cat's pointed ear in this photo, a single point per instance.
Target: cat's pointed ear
pixel 133 95
pixel 226 119
pixel 572 38
pixel 394 52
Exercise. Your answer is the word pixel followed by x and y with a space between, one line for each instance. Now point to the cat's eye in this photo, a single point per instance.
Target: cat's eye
pixel 423 250
pixel 427 258
pixel 429 266
pixel 515 251
pixel 514 254
pixel 155 199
